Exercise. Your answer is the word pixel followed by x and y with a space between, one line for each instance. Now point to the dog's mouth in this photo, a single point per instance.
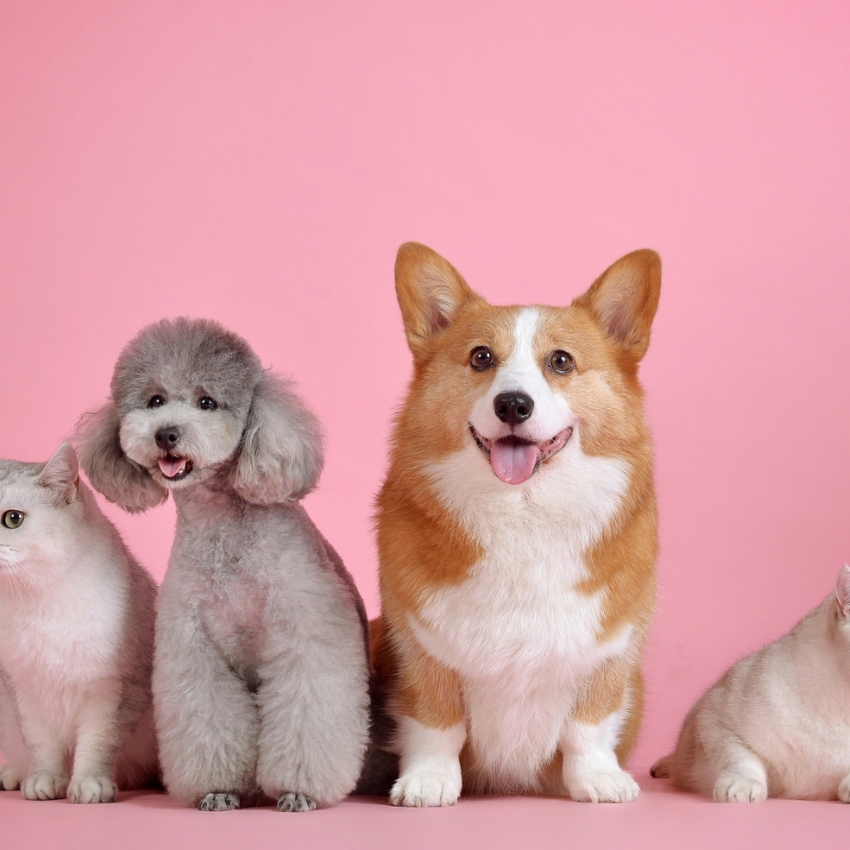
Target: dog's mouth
pixel 173 467
pixel 514 459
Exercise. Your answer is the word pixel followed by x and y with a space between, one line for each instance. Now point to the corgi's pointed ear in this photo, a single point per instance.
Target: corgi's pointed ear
pixel 110 471
pixel 61 475
pixel 842 593
pixel 430 293
pixel 624 298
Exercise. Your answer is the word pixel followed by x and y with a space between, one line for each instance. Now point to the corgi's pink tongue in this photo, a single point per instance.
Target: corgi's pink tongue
pixel 513 461
pixel 171 466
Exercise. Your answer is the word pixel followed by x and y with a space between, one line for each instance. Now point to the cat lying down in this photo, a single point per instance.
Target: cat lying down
pixel 778 723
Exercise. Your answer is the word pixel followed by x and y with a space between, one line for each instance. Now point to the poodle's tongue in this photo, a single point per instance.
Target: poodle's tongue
pixel 171 466
pixel 512 460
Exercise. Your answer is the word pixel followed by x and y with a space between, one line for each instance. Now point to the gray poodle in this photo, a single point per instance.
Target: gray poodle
pixel 260 670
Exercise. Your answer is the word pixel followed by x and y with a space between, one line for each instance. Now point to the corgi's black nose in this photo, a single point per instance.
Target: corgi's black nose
pixel 167 438
pixel 513 408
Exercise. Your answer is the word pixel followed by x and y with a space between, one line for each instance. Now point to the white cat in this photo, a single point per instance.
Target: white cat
pixel 778 723
pixel 76 641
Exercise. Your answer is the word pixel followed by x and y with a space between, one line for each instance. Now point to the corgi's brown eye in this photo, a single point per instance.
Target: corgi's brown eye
pixel 156 401
pixel 562 361
pixel 481 358
pixel 13 519
pixel 206 403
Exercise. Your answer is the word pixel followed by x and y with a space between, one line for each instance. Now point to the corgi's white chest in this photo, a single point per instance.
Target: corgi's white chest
pixel 521 606
pixel 520 630
pixel 519 612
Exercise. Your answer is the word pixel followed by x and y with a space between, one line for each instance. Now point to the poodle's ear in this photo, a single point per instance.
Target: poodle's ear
pixel 110 471
pixel 280 458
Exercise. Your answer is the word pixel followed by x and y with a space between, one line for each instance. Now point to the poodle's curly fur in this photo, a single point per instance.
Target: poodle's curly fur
pixel 260 672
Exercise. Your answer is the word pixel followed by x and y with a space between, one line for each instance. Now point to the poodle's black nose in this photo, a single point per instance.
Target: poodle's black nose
pixel 513 408
pixel 167 438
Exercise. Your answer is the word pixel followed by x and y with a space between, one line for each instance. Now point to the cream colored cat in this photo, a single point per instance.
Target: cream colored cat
pixel 76 641
pixel 778 723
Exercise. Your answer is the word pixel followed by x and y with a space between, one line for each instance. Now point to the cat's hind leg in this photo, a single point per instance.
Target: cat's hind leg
pixel 11 743
pixel 742 777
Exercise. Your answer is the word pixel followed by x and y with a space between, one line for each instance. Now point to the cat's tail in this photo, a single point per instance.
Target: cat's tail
pixel 661 768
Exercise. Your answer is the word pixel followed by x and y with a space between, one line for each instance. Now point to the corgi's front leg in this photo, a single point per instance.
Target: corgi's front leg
pixel 431 731
pixel 593 734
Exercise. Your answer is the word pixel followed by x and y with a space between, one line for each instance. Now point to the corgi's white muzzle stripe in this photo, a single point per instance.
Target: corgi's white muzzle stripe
pixel 517 451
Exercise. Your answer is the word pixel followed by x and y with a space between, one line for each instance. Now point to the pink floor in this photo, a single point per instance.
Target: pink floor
pixel 661 818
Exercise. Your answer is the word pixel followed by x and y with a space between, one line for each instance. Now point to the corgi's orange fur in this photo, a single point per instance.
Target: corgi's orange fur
pixel 517 538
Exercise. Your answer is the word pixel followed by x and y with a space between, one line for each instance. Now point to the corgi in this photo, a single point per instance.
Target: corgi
pixel 517 538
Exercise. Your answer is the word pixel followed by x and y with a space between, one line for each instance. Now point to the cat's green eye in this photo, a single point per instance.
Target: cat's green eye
pixel 13 519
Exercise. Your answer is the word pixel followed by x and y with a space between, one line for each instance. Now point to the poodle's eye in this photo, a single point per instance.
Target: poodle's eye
pixel 562 362
pixel 156 401
pixel 481 358
pixel 13 519
pixel 206 403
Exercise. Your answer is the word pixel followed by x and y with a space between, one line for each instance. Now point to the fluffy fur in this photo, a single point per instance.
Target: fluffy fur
pixel 778 723
pixel 517 538
pixel 260 675
pixel 76 641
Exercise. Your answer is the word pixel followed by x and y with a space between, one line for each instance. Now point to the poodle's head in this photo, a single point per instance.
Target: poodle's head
pixel 190 404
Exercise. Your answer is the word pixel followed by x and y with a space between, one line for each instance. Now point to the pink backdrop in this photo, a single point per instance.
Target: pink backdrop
pixel 260 162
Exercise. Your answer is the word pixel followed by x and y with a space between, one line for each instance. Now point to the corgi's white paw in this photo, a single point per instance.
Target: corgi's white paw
pixel 425 789
pixel 604 786
pixel 735 788
pixel 44 786
pixel 9 778
pixel 844 790
pixel 92 789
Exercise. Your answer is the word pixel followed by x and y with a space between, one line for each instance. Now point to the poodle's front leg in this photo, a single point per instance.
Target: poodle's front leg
pixel 314 721
pixel 205 715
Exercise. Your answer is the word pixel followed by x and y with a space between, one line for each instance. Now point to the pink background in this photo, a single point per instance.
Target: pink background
pixel 260 162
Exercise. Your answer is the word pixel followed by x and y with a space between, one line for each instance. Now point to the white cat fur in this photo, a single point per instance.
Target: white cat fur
pixel 778 723
pixel 76 642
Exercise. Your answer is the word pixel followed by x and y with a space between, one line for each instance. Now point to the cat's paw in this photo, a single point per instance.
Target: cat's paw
pixel 295 803
pixel 9 778
pixel 426 789
pixel 44 786
pixel 735 788
pixel 92 789
pixel 844 790
pixel 219 802
pixel 603 786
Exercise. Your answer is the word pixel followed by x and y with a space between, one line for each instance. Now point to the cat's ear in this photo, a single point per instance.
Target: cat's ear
pixel 61 475
pixel 842 593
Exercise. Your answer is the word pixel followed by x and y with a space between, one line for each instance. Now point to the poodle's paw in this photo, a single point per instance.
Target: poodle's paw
pixel 736 788
pixel 425 789
pixel 844 790
pixel 604 786
pixel 44 786
pixel 9 778
pixel 219 801
pixel 295 803
pixel 92 789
